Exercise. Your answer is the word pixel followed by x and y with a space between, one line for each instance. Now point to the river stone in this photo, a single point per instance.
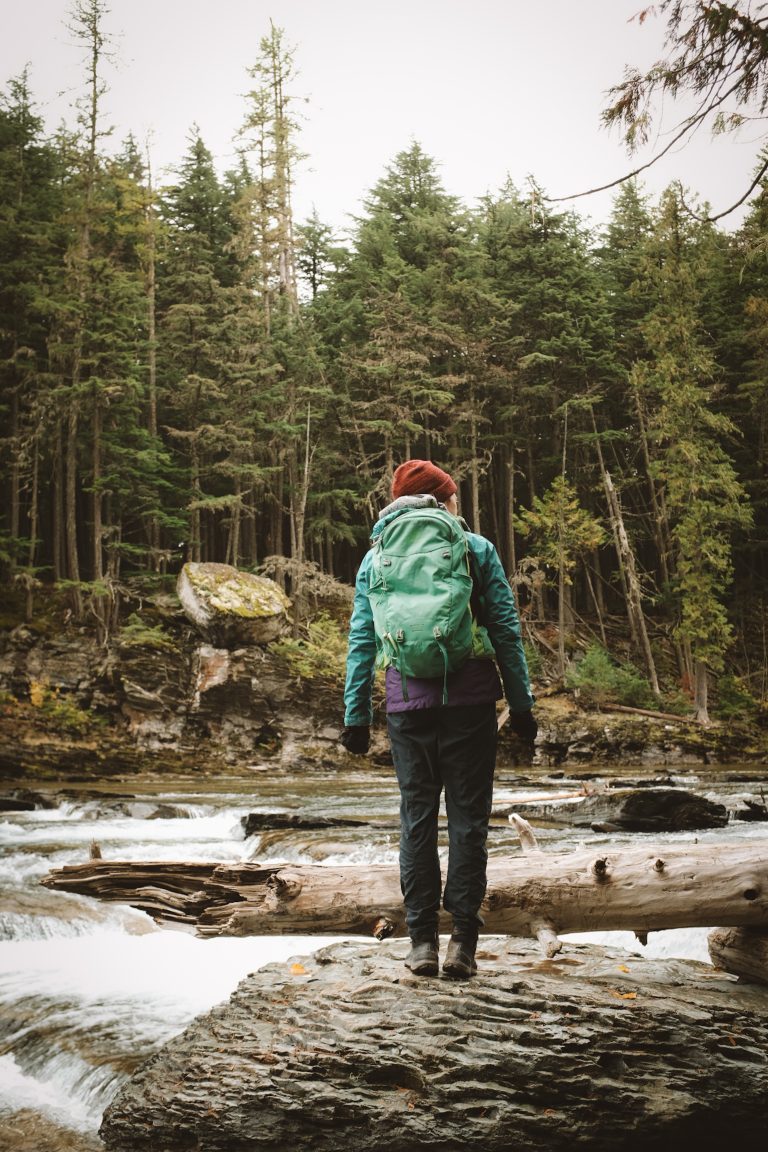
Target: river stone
pixel 232 608
pixel 628 810
pixel 346 1050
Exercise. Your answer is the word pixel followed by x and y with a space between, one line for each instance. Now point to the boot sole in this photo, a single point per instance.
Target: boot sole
pixel 459 971
pixel 427 969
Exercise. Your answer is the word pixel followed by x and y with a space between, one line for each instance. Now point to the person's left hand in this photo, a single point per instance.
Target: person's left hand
pixel 356 739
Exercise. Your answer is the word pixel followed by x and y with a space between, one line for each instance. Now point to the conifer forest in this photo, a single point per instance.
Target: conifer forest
pixel 187 372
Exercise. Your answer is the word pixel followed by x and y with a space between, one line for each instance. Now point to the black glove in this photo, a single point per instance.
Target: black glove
pixel 356 739
pixel 524 725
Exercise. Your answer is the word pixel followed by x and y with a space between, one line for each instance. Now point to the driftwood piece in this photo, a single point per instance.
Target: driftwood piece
pixel 640 889
pixel 742 951
pixel 347 1050
pixel 670 717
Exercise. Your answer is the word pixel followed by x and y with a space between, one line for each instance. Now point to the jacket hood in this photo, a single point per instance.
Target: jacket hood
pixel 407 504
pixel 397 507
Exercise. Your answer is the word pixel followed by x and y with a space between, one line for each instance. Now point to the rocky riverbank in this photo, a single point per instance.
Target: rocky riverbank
pixel 345 1049
pixel 165 695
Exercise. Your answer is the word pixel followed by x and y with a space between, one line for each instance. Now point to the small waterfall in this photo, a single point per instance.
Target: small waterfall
pixel 89 990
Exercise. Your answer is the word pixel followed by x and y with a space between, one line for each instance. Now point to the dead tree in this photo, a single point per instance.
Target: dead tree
pixel 539 894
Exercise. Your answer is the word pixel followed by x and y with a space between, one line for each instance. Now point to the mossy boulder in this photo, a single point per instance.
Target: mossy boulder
pixel 232 608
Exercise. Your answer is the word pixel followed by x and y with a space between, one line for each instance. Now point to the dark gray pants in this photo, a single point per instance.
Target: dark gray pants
pixel 451 748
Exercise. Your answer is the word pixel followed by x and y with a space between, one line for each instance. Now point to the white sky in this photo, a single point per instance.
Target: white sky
pixel 489 88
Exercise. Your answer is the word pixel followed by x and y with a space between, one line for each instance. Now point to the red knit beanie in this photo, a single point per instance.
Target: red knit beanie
pixel 422 477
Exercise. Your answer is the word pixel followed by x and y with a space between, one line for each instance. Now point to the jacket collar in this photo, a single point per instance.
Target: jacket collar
pixel 407 504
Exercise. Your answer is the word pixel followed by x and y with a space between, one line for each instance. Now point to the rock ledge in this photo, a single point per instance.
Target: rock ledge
pixel 345 1049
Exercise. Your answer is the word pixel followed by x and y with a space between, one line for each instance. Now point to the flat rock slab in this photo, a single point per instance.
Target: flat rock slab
pixel 346 1050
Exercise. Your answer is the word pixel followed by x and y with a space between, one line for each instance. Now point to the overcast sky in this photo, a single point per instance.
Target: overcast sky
pixel 489 88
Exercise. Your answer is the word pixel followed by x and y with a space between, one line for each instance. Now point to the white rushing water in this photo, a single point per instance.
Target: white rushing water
pixel 89 990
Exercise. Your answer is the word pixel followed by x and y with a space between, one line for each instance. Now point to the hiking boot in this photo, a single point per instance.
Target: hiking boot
pixel 423 957
pixel 459 963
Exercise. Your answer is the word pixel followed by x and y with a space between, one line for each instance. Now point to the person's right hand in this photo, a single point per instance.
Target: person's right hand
pixel 356 739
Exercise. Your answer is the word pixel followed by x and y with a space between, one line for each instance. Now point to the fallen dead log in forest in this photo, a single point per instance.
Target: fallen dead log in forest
pixel 537 894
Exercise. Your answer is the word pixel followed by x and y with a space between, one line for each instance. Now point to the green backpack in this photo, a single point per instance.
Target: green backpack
pixel 419 590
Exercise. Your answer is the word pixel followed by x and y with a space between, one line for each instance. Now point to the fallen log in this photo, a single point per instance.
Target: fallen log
pixel 742 951
pixel 671 717
pixel 345 1049
pixel 540 894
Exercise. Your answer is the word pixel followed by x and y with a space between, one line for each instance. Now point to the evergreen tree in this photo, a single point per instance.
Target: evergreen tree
pixel 563 532
pixel 29 251
pixel 551 338
pixel 704 499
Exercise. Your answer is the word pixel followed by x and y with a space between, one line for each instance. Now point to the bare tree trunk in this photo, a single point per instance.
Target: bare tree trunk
pixel 511 551
pixel 298 527
pixel 15 475
pixel 235 525
pixel 57 534
pixel 741 951
pixel 531 474
pixel 494 505
pixel 70 511
pixel 97 539
pixel 195 543
pixel 34 501
pixel 633 584
pixel 700 699
pixel 659 520
pixel 561 614
pixel 598 610
pixel 151 295
pixel 389 455
pixel 626 558
pixel 474 469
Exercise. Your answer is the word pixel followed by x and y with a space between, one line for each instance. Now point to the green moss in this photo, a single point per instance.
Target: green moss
pixel 237 593
pixel 135 633
pixel 320 655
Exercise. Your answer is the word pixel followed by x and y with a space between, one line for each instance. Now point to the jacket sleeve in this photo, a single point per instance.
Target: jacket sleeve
pixel 361 655
pixel 503 624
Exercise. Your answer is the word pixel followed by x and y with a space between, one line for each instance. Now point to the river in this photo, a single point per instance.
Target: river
pixel 89 990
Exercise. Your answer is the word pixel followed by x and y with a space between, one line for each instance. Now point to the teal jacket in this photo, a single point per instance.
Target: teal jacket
pixel 499 617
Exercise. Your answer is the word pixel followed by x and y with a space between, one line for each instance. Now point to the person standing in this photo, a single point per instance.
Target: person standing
pixel 442 731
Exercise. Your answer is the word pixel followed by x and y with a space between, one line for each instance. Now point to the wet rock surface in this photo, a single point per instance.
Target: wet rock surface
pixel 632 810
pixel 277 821
pixel 138 709
pixel 346 1049
pixel 166 699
